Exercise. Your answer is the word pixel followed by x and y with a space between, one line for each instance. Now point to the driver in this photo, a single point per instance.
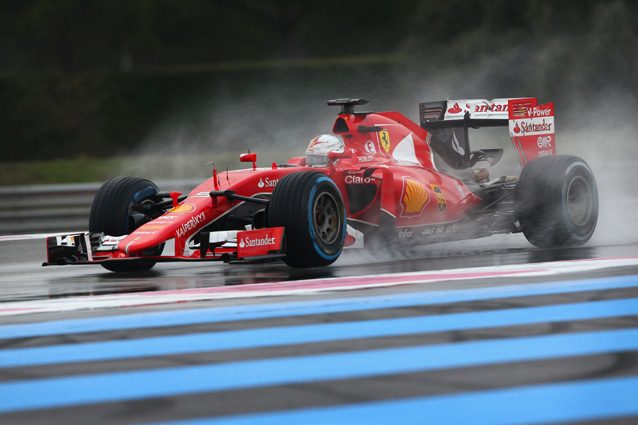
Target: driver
pixel 318 148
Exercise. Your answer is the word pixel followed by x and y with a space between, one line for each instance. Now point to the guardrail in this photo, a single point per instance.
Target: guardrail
pixel 57 208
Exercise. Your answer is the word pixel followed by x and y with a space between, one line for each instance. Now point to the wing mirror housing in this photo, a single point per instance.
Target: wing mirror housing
pixel 249 157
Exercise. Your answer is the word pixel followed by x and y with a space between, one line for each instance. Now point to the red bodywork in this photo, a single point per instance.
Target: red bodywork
pixel 387 170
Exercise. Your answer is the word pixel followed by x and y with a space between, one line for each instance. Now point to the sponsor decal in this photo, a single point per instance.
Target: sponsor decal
pixel 370 147
pixel 438 230
pixel 406 233
pixel 191 224
pixel 535 127
pixel 202 195
pixel 250 243
pixel 414 197
pixel 441 202
pixel 494 107
pixel 166 219
pixel 354 179
pixel 544 142
pixel 384 140
pixel 535 111
pixel 253 243
pixel 516 129
pixel 267 182
pixel 367 158
pixel 455 109
pixel 152 227
pixel 184 208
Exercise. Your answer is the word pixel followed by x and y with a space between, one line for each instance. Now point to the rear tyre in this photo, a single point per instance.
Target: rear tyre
pixel 310 207
pixel 556 201
pixel 111 214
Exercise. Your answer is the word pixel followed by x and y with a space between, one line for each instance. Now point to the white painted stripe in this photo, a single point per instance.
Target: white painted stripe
pixel 311 286
pixel 43 236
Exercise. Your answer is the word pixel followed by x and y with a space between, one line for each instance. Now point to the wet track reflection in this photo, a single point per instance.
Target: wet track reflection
pixel 22 277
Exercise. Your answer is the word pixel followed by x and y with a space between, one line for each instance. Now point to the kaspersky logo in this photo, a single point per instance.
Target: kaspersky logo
pixel 251 243
pixel 191 224
pixel 267 182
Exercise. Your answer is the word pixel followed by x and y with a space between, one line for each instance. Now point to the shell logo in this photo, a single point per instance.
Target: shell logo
pixel 414 197
pixel 183 208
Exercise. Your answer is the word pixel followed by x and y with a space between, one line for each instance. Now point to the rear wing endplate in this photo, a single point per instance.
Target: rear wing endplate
pixel 531 126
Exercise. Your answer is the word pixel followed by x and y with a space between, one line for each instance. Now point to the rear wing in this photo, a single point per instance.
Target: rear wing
pixel 531 126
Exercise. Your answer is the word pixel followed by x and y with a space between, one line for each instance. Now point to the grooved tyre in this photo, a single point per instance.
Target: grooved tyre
pixel 556 201
pixel 111 214
pixel 310 207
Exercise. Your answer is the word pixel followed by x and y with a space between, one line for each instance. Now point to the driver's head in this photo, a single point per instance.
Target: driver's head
pixel 317 151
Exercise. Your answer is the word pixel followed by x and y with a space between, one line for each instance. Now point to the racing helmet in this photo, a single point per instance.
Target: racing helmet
pixel 318 148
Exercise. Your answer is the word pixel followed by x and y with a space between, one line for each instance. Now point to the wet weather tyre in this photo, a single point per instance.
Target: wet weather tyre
pixel 556 201
pixel 310 208
pixel 111 214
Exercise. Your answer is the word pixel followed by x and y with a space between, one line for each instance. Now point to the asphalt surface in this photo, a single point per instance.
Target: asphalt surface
pixel 23 278
pixel 534 350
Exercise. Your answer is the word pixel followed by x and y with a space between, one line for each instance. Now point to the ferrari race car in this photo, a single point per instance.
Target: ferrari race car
pixel 379 179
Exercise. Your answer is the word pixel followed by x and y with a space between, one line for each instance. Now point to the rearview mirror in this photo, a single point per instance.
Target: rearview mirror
pixel 249 157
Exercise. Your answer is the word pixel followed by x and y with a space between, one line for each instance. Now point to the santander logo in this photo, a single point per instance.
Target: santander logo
pixel 267 182
pixel 248 242
pixel 517 129
pixel 455 109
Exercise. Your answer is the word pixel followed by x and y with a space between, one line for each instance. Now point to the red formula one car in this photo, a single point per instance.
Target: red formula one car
pixel 378 177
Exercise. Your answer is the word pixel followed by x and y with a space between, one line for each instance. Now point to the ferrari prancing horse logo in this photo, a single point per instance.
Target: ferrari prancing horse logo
pixel 384 140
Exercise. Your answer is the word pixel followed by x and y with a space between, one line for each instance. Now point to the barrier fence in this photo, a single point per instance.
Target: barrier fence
pixel 57 208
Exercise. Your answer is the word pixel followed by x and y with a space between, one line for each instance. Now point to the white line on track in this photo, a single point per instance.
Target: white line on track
pixel 311 286
pixel 43 236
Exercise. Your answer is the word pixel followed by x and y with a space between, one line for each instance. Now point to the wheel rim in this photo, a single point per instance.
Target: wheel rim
pixel 579 201
pixel 326 218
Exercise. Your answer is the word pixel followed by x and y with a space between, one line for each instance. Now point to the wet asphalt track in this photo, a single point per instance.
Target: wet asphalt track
pixel 530 354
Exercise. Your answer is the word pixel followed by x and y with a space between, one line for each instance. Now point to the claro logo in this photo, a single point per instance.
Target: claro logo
pixel 250 243
pixel 357 180
pixel 191 224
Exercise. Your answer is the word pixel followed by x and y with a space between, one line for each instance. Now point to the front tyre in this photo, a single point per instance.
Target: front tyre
pixel 111 214
pixel 310 208
pixel 556 201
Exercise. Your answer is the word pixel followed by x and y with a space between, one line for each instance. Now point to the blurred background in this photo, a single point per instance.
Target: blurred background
pixel 157 88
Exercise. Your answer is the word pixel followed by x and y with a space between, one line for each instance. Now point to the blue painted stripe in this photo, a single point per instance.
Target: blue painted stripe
pixel 262 311
pixel 573 401
pixel 303 334
pixel 96 388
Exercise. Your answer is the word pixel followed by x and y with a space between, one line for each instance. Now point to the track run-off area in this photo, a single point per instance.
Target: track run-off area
pixel 448 334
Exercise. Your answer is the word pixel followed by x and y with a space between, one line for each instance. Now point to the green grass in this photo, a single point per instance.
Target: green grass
pixel 85 169
pixel 77 170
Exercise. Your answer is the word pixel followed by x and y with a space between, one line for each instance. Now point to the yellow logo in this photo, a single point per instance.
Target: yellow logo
pixel 384 140
pixel 441 202
pixel 413 198
pixel 183 208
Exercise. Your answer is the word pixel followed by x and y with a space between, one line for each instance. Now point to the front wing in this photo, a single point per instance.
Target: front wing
pixel 228 246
